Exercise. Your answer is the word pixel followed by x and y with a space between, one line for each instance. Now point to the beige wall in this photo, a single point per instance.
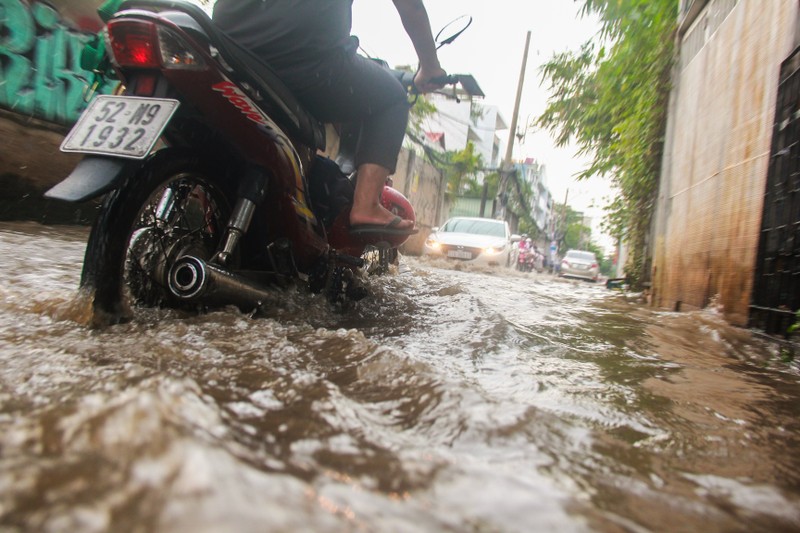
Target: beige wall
pixel 717 153
pixel 423 184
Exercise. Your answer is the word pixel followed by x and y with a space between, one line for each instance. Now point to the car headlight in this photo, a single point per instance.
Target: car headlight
pixel 433 244
pixel 493 250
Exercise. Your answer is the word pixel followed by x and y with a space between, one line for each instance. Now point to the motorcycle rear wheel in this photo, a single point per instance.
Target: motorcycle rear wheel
pixel 173 205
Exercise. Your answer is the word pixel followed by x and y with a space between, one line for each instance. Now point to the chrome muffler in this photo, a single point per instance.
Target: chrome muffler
pixel 194 281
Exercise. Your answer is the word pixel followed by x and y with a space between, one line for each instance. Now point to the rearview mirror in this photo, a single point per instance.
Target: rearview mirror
pixel 516 238
pixel 452 30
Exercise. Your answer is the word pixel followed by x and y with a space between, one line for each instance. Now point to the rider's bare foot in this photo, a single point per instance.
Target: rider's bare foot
pixel 379 216
pixel 366 209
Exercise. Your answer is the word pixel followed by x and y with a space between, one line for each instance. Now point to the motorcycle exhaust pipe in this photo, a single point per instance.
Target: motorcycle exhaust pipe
pixel 194 281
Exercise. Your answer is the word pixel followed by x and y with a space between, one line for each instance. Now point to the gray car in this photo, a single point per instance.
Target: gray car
pixel 580 264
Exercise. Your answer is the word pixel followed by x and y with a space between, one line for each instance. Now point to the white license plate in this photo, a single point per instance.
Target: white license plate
pixel 459 254
pixel 122 126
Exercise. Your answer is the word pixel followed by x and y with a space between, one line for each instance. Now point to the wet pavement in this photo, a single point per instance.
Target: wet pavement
pixel 451 400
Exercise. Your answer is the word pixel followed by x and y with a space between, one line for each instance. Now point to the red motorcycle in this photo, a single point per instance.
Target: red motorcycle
pixel 235 199
pixel 525 260
pixel 528 260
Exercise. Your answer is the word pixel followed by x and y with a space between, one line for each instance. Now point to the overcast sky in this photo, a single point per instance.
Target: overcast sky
pixel 492 50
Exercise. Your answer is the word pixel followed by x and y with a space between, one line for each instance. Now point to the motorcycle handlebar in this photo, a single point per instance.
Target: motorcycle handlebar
pixel 450 79
pixel 407 79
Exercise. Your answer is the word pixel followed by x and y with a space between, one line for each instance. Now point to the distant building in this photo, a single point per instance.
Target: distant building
pixel 457 123
pixel 541 200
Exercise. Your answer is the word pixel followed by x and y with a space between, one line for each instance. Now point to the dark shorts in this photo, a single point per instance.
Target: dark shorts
pixel 352 89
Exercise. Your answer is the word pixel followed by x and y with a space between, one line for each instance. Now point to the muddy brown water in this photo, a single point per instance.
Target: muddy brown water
pixel 451 400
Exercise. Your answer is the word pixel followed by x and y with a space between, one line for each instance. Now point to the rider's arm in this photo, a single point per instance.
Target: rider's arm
pixel 418 27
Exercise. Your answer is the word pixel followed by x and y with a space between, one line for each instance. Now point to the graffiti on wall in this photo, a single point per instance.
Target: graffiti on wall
pixel 40 72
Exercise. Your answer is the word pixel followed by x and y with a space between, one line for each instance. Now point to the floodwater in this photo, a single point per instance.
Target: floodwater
pixel 451 400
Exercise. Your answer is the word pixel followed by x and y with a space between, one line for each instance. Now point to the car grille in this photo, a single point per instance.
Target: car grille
pixel 463 253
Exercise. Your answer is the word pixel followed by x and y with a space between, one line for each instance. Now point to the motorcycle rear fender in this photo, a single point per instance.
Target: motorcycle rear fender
pixel 94 176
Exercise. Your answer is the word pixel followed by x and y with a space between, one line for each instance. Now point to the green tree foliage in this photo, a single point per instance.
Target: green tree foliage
pixel 474 188
pixel 572 234
pixel 461 168
pixel 421 110
pixel 610 98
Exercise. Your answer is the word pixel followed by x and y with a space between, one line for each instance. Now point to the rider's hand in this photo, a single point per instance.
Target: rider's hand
pixel 422 79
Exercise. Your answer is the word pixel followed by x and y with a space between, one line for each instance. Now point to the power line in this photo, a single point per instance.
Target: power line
pixel 461 122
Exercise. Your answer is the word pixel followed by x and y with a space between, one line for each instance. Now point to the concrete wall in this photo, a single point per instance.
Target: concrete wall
pixel 717 153
pixel 424 185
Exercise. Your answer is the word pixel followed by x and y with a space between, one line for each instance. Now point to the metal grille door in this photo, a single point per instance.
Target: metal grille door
pixel 776 292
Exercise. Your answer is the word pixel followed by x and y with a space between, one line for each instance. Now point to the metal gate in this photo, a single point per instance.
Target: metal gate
pixel 776 291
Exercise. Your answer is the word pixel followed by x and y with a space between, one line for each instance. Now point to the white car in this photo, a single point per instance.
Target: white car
pixel 483 241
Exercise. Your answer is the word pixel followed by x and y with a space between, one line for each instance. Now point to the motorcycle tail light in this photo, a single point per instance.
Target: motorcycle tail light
pixel 134 43
pixel 145 44
pixel 176 53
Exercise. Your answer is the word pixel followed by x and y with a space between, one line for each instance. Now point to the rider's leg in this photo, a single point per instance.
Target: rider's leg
pixel 367 208
pixel 358 90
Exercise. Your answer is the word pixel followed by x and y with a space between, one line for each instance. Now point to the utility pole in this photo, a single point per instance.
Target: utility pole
pixel 505 170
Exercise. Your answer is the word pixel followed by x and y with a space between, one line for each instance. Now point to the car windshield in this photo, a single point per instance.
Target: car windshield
pixel 492 228
pixel 581 256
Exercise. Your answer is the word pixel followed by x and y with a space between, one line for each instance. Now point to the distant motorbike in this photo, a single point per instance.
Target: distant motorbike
pixel 529 260
pixel 234 198
pixel 525 260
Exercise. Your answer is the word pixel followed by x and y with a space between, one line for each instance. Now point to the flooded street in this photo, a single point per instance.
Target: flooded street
pixel 451 400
